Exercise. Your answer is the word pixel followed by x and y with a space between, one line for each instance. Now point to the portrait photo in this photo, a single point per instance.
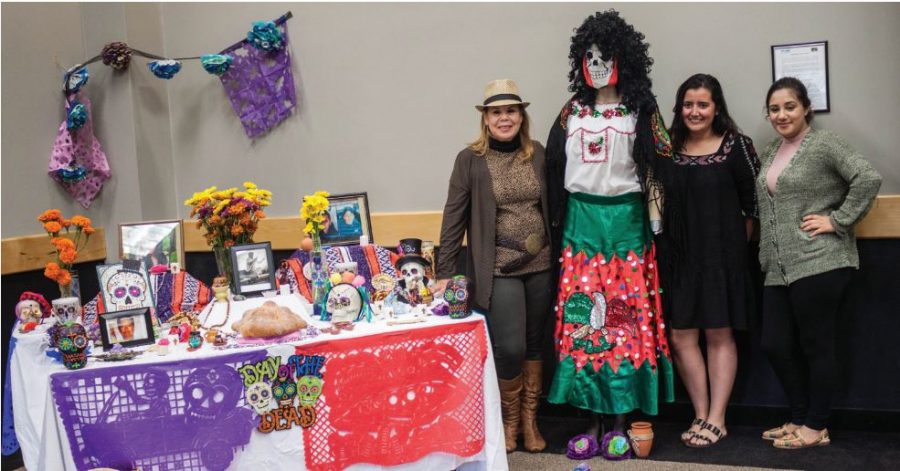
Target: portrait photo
pixel 132 327
pixel 347 219
pixel 254 268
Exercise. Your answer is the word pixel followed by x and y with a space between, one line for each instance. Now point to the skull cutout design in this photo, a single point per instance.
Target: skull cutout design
pixel 259 396
pixel 127 290
pixel 211 392
pixel 457 296
pixel 284 389
pixel 72 342
pixel 67 310
pixel 309 388
pixel 598 73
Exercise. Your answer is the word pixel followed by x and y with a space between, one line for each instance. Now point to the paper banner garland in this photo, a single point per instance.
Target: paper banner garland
pixel 260 84
pixel 77 161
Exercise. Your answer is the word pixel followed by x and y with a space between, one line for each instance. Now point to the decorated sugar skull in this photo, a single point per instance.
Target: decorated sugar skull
pixel 29 311
pixel 67 310
pixel 72 341
pixel 211 392
pixel 413 274
pixel 344 303
pixel 259 396
pixel 284 389
pixel 457 296
pixel 599 73
pixel 127 289
pixel 309 388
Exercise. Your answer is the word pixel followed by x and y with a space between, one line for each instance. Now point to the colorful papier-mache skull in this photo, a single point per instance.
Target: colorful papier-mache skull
pixel 344 303
pixel 127 289
pixel 309 387
pixel 67 310
pixel 72 342
pixel 211 392
pixel 259 396
pixel 284 388
pixel 457 296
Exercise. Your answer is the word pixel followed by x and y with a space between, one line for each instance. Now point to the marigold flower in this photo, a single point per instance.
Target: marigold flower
pixel 64 278
pixel 80 221
pixel 260 214
pixel 50 215
pixel 228 243
pixel 68 256
pixel 89 230
pixel 51 270
pixel 237 230
pixel 62 243
pixel 52 227
pixel 65 222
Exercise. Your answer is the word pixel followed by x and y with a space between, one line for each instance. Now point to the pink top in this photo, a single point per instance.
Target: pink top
pixel 783 156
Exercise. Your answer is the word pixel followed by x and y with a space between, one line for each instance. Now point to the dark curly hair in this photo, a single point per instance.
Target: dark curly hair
pixel 722 122
pixel 617 39
pixel 799 90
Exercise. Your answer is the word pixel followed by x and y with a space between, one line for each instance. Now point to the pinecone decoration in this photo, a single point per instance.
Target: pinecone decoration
pixel 116 55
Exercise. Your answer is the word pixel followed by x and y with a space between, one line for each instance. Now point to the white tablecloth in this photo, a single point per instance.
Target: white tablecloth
pixel 45 445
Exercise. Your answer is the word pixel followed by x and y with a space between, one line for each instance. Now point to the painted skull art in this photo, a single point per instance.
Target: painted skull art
pixel 599 73
pixel 413 274
pixel 29 311
pixel 457 296
pixel 127 289
pixel 309 388
pixel 284 389
pixel 67 310
pixel 211 392
pixel 72 342
pixel 259 396
pixel 344 303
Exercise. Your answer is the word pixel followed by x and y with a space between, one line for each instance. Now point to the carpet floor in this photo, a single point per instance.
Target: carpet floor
pixel 742 448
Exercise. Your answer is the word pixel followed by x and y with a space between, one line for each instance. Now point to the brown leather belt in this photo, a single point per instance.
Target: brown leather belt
pixel 529 249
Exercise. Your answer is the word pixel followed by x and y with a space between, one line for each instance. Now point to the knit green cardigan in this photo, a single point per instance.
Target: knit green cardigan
pixel 826 176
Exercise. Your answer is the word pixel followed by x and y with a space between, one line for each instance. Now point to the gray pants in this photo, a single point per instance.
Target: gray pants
pixel 517 320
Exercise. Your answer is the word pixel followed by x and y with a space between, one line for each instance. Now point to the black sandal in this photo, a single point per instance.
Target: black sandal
pixel 706 441
pixel 688 434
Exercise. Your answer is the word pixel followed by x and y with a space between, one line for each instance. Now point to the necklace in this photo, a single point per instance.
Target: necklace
pixel 224 321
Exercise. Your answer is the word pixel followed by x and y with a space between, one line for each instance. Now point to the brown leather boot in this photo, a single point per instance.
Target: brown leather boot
pixel 510 402
pixel 531 395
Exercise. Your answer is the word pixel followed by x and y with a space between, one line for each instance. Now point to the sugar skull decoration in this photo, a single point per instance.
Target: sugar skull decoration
pixel 309 388
pixel 127 289
pixel 72 341
pixel 457 296
pixel 411 265
pixel 31 311
pixel 211 392
pixel 284 388
pixel 259 396
pixel 344 304
pixel 67 310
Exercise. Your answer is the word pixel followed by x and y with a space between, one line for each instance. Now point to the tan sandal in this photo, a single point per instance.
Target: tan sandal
pixel 778 432
pixel 688 434
pixel 702 441
pixel 795 442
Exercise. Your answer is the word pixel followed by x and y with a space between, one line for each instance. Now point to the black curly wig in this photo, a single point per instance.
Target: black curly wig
pixel 618 39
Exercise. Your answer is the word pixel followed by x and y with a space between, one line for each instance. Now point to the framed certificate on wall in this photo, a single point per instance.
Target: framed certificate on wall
pixel 807 62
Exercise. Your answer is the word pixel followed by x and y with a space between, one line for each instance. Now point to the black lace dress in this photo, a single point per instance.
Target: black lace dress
pixel 704 251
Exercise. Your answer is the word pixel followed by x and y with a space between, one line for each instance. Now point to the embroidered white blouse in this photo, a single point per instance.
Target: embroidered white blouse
pixel 598 151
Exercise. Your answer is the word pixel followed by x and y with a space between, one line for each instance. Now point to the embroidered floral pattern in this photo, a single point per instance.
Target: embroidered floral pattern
pixel 716 157
pixel 660 135
pixel 595 147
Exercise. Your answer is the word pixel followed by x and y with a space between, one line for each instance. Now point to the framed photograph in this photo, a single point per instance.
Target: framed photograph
pixel 807 62
pixel 254 268
pixel 125 286
pixel 347 219
pixel 154 242
pixel 129 328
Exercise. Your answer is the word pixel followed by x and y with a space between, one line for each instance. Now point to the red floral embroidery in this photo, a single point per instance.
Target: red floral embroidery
pixel 584 111
pixel 594 147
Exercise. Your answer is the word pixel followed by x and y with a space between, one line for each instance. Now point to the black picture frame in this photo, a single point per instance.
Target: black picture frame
pixel 253 268
pixel 141 328
pixel 153 242
pixel 812 76
pixel 348 219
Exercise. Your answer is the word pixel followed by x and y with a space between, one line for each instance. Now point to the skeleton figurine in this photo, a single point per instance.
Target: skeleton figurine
pixel 413 284
pixel 31 311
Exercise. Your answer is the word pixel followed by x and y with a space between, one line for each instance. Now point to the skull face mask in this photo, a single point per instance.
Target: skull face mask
pixel 127 289
pixel 599 73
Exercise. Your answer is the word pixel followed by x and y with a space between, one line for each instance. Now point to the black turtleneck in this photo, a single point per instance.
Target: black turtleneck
pixel 505 147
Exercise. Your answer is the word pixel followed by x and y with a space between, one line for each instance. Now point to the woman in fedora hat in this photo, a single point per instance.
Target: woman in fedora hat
pixel 498 200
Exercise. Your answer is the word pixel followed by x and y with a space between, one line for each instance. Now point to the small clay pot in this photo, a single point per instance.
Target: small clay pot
pixel 641 436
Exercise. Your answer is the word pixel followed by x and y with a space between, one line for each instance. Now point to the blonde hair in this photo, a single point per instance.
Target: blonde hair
pixel 480 145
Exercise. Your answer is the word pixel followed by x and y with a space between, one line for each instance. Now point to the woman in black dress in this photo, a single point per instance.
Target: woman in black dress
pixel 710 204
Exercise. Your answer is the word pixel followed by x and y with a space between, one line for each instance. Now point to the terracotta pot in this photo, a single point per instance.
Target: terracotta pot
pixel 641 436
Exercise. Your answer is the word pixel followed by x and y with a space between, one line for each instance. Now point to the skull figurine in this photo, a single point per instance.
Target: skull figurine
pixel 598 73
pixel 67 310
pixel 72 342
pixel 284 389
pixel 413 274
pixel 127 289
pixel 211 392
pixel 457 296
pixel 259 396
pixel 309 387
pixel 29 311
pixel 344 303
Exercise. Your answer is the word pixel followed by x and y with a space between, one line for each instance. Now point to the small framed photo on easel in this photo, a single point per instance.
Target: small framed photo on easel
pixel 253 268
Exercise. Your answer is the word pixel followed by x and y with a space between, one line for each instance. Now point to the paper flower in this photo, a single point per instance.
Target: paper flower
pixel 216 64
pixel 582 447
pixel 164 69
pixel 77 116
pixel 265 36
pixel 116 55
pixel 74 80
pixel 615 446
pixel 72 175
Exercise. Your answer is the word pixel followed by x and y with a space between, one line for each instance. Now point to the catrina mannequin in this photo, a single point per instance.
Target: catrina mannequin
pixel 610 335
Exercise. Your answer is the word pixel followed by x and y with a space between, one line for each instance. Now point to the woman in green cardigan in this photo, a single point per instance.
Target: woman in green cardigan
pixel 813 188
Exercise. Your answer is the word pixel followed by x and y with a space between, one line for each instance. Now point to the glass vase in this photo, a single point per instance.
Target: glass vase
pixel 73 289
pixel 318 277
pixel 223 265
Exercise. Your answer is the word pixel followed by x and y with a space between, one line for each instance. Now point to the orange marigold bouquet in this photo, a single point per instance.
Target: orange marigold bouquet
pixel 67 249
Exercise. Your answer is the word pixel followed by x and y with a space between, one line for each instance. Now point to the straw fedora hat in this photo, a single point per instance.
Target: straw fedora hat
pixel 501 92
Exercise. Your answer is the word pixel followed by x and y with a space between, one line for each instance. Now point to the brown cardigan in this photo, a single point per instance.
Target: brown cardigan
pixel 471 210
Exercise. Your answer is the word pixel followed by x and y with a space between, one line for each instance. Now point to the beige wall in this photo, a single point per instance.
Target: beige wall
pixel 386 91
